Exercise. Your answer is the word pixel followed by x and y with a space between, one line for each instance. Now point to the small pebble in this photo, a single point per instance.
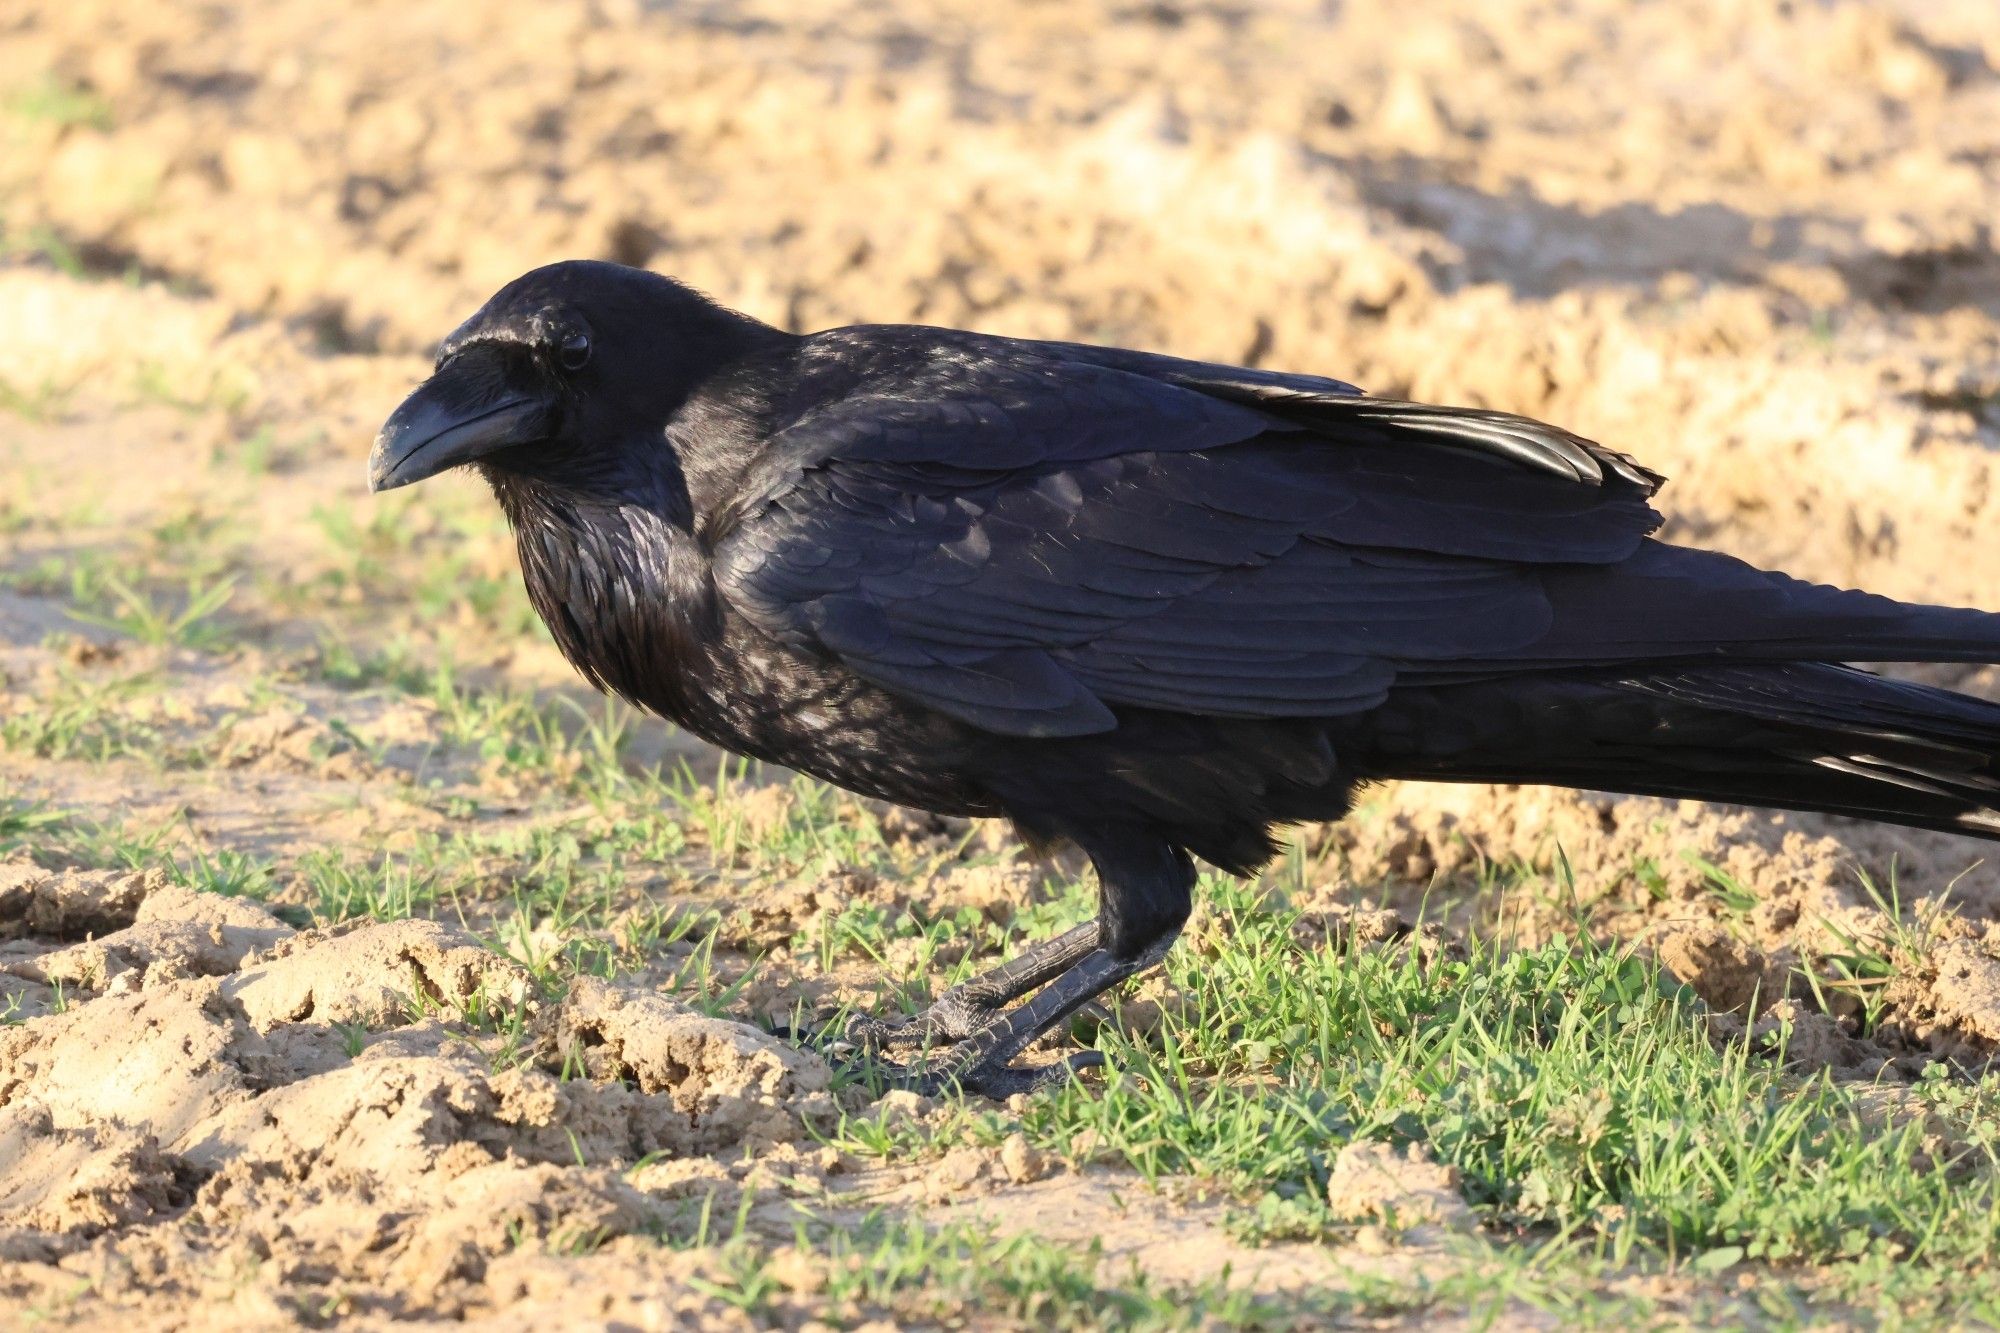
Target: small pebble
pixel 1021 1160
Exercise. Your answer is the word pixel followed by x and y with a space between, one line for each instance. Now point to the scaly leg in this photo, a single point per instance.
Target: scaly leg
pixel 971 1005
pixel 983 1062
pixel 1145 888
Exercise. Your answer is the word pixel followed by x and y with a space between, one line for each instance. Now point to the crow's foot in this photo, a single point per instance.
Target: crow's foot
pixel 987 1077
pixel 982 1061
pixel 972 1006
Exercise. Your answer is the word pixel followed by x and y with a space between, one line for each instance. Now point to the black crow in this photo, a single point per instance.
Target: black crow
pixel 1148 607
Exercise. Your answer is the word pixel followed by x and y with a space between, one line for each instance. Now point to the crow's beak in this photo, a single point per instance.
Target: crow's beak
pixel 465 411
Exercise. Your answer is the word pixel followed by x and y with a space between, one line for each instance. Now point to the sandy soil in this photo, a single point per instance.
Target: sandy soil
pixel 1751 244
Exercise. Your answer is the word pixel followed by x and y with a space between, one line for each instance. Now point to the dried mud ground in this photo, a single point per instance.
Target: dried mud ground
pixel 358 968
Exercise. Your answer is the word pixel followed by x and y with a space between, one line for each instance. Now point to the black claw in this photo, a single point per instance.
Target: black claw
pixel 1083 1060
pixel 1003 1081
pixel 971 1038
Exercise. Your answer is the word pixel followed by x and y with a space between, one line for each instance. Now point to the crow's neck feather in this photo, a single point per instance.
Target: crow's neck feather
pixel 618 578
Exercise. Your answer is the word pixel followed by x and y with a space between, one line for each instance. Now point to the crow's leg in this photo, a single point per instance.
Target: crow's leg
pixel 971 1005
pixel 1145 891
pixel 983 1062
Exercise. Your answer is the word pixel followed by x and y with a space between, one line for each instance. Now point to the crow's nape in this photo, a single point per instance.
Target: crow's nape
pixel 1794 736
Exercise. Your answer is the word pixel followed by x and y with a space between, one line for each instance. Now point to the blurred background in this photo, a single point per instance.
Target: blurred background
pixel 1751 242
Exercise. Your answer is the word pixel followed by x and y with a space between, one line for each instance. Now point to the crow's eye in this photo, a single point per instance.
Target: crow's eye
pixel 575 350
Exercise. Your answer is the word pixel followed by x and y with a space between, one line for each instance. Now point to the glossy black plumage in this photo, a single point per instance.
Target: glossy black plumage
pixel 1146 605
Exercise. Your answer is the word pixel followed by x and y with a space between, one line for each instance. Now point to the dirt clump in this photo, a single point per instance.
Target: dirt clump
pixel 730 1083
pixel 1339 926
pixel 1729 975
pixel 334 1101
pixel 1811 1040
pixel 70 904
pixel 176 933
pixel 1400 1190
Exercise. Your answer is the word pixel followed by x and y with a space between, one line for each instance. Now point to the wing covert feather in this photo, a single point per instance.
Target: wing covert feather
pixel 1028 543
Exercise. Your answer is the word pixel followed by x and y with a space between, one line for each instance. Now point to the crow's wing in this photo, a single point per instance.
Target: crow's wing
pixel 1025 540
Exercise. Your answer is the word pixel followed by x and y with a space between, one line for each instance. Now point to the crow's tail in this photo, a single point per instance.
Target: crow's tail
pixel 1793 736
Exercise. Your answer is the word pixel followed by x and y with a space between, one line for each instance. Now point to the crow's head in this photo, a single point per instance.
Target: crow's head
pixel 563 365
